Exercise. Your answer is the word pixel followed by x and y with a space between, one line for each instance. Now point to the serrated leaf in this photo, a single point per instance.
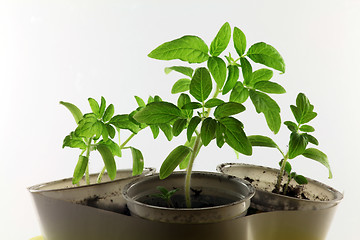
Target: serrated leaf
pixel 262 74
pixel 269 87
pixel 109 112
pixel 228 109
pixel 80 169
pixel 138 161
pixel 293 127
pixel 239 41
pixel 75 111
pixel 183 70
pixel 194 122
pixel 233 76
pixel 307 128
pixel 221 41
pixel 179 126
pixel 157 113
pixel 318 156
pixel 201 84
pixel 207 130
pixel 173 160
pixel 297 145
pixel 94 105
pixel 239 93
pixel 262 141
pixel 246 70
pixel 213 102
pixel 217 68
pixel 235 136
pixel 190 49
pixel 108 159
pixel 123 122
pixel 140 101
pixel 267 55
pixel 192 105
pixel 182 85
pixel 167 130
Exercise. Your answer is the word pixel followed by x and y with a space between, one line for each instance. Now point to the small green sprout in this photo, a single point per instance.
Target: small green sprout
pixel 166 195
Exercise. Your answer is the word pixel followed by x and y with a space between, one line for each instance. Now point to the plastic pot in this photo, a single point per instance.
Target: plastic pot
pixel 232 198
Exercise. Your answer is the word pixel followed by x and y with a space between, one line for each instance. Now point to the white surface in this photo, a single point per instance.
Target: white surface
pixel 72 50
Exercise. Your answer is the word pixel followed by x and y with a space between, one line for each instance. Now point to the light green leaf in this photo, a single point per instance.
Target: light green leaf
pixel 102 107
pixel 213 102
pixel 246 70
pixel 262 141
pixel 307 128
pixel 300 179
pixel 228 109
pixel 318 156
pixel 75 111
pixel 138 161
pixel 74 141
pixel 207 130
pixel 182 85
pixel 217 68
pixel 297 144
pixel 80 169
pixel 201 84
pixel 190 49
pixel 123 122
pixel 267 55
pixel 239 41
pixel 89 127
pixel 232 78
pixel 194 122
pixel 140 101
pixel 167 130
pixel 109 112
pixel 155 130
pixel 108 159
pixel 157 113
pixel 269 87
pixel 239 93
pixel 221 41
pixel 173 160
pixel 262 74
pixel 112 146
pixel 184 70
pixel 94 106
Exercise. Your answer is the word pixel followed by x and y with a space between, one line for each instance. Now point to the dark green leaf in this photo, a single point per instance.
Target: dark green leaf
pixel 296 112
pixel 123 122
pixel 318 156
pixel 167 130
pixel 217 68
pixel 267 55
pixel 293 127
pixel 138 161
pixel 239 93
pixel 201 84
pixel 155 130
pixel 311 139
pixel 184 70
pixel 269 87
pixel 192 105
pixel 262 74
pixel 232 78
pixel 182 85
pixel 139 101
pixel 173 160
pixel 239 41
pixel 190 49
pixel 194 122
pixel 220 131
pixel 108 159
pixel 228 109
pixel 297 145
pixel 158 112
pixel 184 163
pixel 214 102
pixel 262 141
pixel 102 107
pixel 207 130
pixel 108 113
pixel 300 179
pixel 307 128
pixel 221 41
pixel 246 70
pixel 235 136
pixel 183 100
pixel 94 106
pixel 80 169
pixel 75 111
pixel 157 99
pixel 179 126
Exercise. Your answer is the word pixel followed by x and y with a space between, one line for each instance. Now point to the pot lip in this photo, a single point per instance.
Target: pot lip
pixel 338 196
pixel 239 180
pixel 37 188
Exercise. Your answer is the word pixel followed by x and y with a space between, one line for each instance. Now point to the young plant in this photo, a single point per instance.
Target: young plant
pixel 166 195
pixel 95 131
pixel 300 137
pixel 217 77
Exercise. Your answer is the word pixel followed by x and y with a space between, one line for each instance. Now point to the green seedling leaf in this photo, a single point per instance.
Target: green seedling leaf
pixel 303 111
pixel 303 103
pixel 246 70
pixel 219 133
pixel 318 156
pixel 123 122
pixel 80 169
pixel 179 126
pixel 109 112
pixel 213 102
pixel 239 93
pixel 217 68
pixel 89 127
pixel 182 85
pixel 307 128
pixel 239 41
pixel 191 49
pixel 102 107
pixel 262 141
pixel 207 130
pixel 112 146
pixel 194 122
pixel 140 101
pixel 157 113
pixel 262 74
pixel 183 70
pixel 157 99
pixel 167 130
pixel 297 144
pixel 192 105
pixel 300 179
pixel 108 159
pixel 183 100
pixel 228 109
pixel 94 106
pixel 308 117
pixel 235 136
pixel 201 84
pixel 221 41
pixel 138 161
pixel 74 141
pixel 266 105
pixel 293 127
pixel 75 111
pixel 269 87
pixel 155 130
pixel 287 167
pixel 311 139
pixel 267 55
pixel 104 133
pixel 184 163
pixel 173 160
pixel 232 78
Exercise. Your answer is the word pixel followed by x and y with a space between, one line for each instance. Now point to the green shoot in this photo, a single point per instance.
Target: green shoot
pixel 166 195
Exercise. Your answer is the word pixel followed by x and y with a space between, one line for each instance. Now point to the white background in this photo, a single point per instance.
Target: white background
pixel 72 50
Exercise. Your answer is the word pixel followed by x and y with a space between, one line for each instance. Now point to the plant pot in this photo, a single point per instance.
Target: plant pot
pixel 225 198
pixel 105 195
